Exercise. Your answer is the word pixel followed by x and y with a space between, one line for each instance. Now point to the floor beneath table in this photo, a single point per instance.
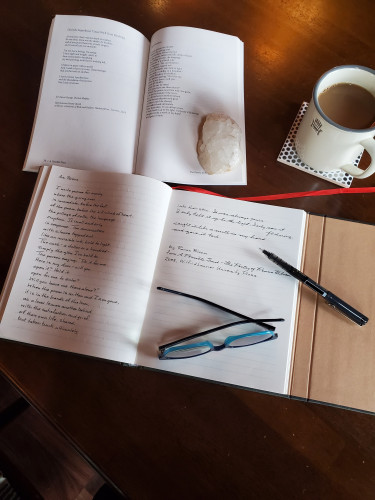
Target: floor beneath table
pixel 36 458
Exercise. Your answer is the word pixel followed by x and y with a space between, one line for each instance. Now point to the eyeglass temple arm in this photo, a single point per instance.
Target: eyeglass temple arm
pixel 260 322
pixel 246 319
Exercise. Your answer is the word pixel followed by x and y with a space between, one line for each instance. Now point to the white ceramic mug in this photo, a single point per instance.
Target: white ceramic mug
pixel 323 144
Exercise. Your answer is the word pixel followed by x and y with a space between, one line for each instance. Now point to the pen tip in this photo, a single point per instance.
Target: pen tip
pixel 266 253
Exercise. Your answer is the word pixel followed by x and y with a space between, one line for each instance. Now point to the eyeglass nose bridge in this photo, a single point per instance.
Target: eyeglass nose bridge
pixel 218 347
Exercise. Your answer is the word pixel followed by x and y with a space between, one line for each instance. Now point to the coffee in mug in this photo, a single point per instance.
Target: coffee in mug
pixel 340 121
pixel 348 105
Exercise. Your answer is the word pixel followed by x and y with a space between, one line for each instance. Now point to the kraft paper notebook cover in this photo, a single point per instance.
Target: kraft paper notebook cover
pixel 334 359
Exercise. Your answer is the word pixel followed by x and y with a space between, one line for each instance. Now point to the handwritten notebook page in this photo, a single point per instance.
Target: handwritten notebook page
pixel 88 262
pixel 211 248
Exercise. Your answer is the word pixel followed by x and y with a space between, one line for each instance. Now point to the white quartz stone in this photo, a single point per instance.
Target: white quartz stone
pixel 219 144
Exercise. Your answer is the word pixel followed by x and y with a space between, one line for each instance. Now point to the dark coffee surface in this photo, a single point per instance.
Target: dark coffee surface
pixel 349 105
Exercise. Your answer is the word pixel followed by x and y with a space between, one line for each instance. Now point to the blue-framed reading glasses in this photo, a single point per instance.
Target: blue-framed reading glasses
pixel 184 348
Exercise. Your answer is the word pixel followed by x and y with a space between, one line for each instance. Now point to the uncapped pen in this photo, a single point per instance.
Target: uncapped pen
pixel 328 296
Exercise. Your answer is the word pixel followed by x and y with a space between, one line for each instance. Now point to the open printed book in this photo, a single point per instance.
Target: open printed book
pixel 96 245
pixel 111 100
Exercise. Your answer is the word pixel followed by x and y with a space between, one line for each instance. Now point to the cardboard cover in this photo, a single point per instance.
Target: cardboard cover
pixel 334 359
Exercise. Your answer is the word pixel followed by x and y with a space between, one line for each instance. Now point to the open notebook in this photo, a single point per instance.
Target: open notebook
pixel 95 246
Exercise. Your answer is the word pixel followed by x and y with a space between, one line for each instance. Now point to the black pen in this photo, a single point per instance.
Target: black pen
pixel 328 296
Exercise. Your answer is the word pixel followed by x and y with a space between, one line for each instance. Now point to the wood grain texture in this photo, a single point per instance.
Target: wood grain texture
pixel 157 435
pixel 36 460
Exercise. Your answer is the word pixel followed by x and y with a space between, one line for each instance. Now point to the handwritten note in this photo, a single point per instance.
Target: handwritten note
pixel 95 247
pixel 260 229
pixel 73 244
pixel 211 248
pixel 85 276
pixel 207 224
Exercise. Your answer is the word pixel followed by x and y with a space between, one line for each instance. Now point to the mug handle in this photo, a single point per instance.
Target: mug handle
pixel 358 173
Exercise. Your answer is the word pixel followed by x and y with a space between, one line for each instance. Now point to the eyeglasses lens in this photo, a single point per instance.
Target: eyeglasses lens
pixel 249 340
pixel 186 351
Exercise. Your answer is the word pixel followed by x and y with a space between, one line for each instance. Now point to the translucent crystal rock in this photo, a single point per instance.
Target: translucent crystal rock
pixel 219 144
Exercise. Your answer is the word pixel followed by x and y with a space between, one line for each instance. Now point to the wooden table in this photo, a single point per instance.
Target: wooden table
pixel 156 435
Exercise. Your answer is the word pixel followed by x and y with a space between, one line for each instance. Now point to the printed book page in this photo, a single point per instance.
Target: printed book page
pixel 83 269
pixel 93 112
pixel 191 73
pixel 211 248
pixel 91 95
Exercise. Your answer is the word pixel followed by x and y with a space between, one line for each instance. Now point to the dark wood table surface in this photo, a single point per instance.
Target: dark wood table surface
pixel 157 435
